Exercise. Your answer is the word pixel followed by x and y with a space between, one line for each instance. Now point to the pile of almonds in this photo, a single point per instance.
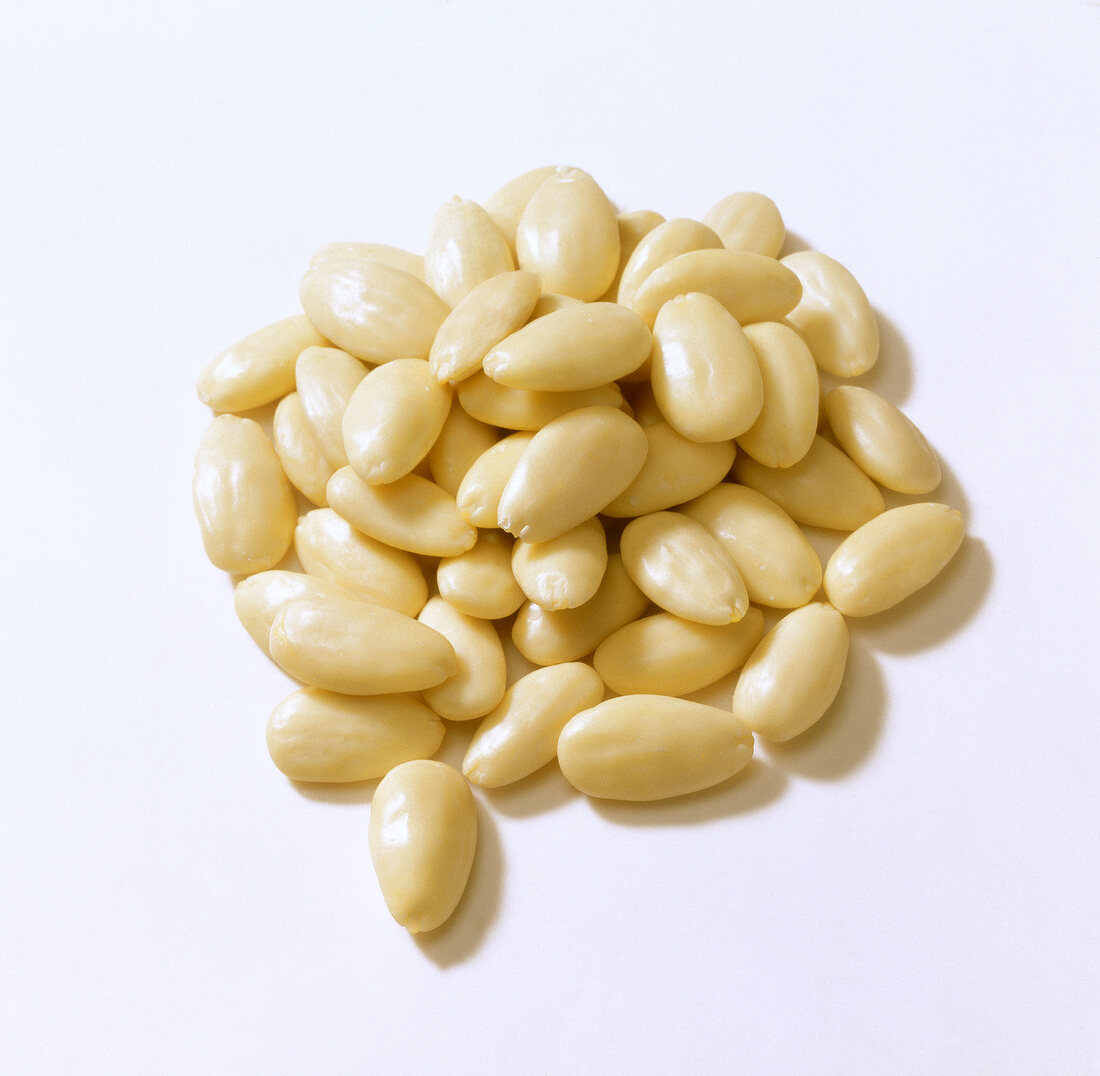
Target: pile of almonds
pixel 598 434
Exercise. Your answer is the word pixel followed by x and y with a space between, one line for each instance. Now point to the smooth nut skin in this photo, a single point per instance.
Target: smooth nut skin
pixel 549 303
pixel 506 205
pixel 392 419
pixel 330 547
pixel 243 502
pixel 373 311
pixel 784 428
pixel 572 468
pixel 633 228
pixel 327 378
pixel 299 451
pixel 680 566
pixel 705 374
pixel 833 315
pixel 891 557
pixel 667 655
pixel 650 747
pixel 355 648
pixel 548 637
pixel 479 682
pixel 496 308
pixel 568 234
pixel 675 471
pixel 575 348
pixel 411 513
pixel 258 369
pixel 478 497
pixel 564 572
pixel 750 286
pixel 460 442
pixel 521 735
pixel 394 257
pixel 779 566
pixel 465 248
pixel 793 675
pixel 423 834
pixel 665 242
pixel 881 440
pixel 748 221
pixel 824 489
pixel 259 598
pixel 479 582
pixel 527 409
pixel 316 735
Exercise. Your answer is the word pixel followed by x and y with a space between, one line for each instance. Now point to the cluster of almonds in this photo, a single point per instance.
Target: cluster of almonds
pixel 597 431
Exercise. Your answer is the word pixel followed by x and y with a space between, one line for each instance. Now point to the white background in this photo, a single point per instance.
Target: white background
pixel 911 889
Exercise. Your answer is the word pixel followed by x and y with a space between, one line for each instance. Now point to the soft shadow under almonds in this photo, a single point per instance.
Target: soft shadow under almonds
pixel 940 610
pixel 755 787
pixel 349 792
pixel 844 738
pixel 544 790
pixel 461 936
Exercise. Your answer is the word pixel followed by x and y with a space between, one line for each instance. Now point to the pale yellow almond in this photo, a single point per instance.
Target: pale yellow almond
pixel 392 420
pixel 494 309
pixel 257 598
pixel 479 683
pixel 423 834
pixel 357 648
pixel 664 654
pixel 479 582
pixel 549 637
pixel 568 234
pixel 891 557
pixel 299 451
pixel 824 489
pixel 383 253
pixel 704 372
pixel 834 315
pixel 507 204
pixel 793 675
pixel 572 468
pixel 521 735
pixel 576 348
pixel 748 221
pixel 550 301
pixel 258 369
pixel 330 547
pixel 882 441
pixel 634 226
pixel 651 747
pixel 663 243
pixel 372 310
pixel 675 470
pixel 243 502
pixel 464 249
pixel 460 442
pixel 411 513
pixel 750 286
pixel 778 565
pixel 527 409
pixel 317 735
pixel 564 572
pixel 478 497
pixel 787 423
pixel 680 566
pixel 327 377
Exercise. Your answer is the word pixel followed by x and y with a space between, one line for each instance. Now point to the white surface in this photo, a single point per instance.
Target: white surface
pixel 913 890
